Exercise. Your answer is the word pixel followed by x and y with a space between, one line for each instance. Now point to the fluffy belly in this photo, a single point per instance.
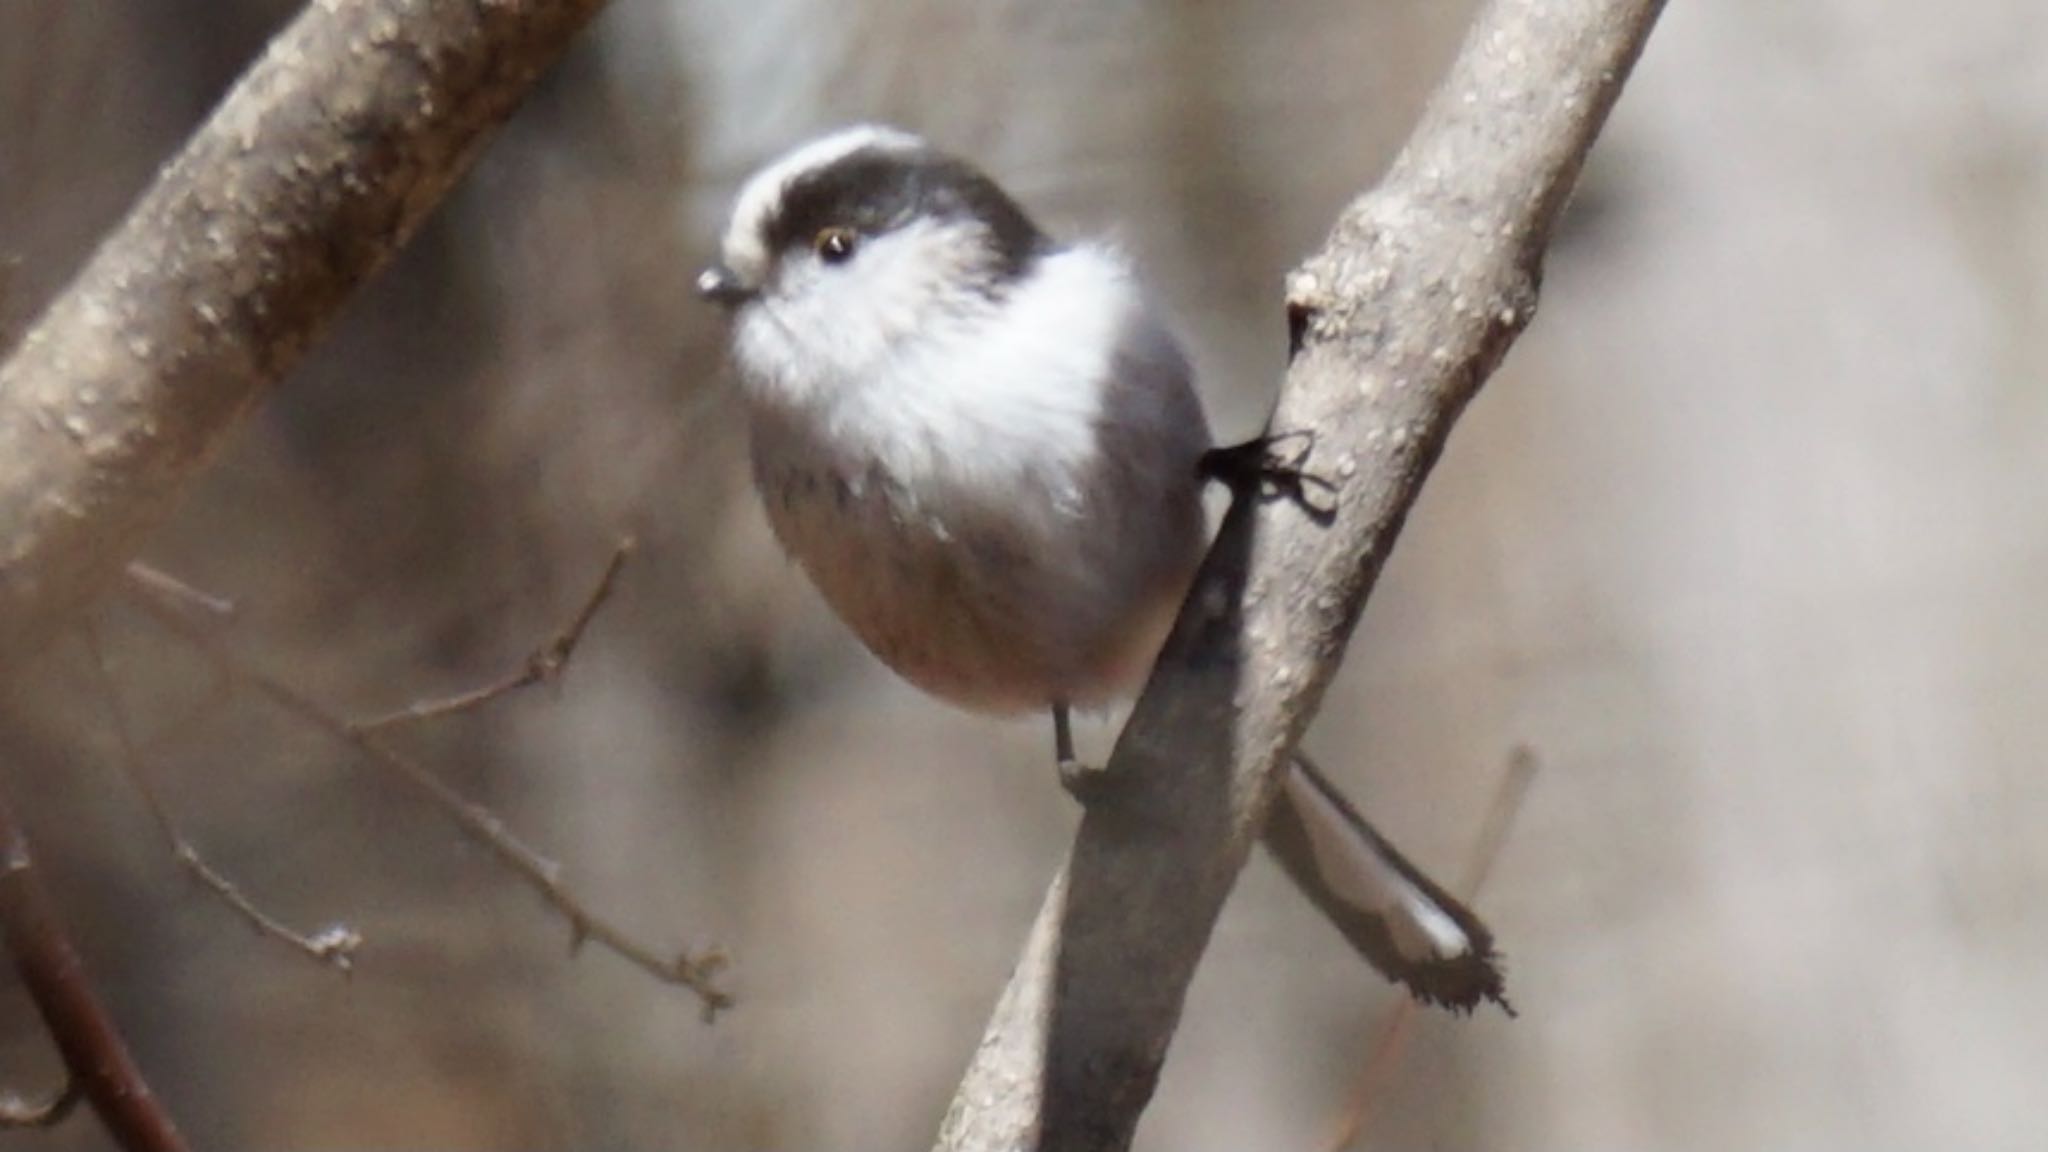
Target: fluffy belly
pixel 998 614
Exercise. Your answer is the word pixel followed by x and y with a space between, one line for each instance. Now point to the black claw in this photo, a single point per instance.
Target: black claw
pixel 1090 784
pixel 1260 465
pixel 1298 318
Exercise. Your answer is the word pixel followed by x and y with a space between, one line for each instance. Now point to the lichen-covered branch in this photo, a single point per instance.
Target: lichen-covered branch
pixel 319 163
pixel 1409 306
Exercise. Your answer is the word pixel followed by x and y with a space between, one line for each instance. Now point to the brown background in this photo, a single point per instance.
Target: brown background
pixel 1747 540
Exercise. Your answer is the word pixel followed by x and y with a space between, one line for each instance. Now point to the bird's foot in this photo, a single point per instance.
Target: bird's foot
pixel 1090 784
pixel 1272 467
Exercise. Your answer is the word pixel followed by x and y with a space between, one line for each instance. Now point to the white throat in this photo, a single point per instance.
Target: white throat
pixel 975 387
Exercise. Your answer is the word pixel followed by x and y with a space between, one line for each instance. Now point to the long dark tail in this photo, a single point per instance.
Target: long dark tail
pixel 1405 924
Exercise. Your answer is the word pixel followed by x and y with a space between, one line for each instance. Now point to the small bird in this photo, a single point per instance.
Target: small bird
pixel 984 448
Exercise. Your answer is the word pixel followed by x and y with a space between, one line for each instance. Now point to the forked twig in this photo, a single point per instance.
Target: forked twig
pixel 334 946
pixel 1394 1028
pixel 544 665
pixel 696 972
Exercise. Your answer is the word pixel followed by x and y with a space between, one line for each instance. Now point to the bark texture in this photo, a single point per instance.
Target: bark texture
pixel 1411 303
pixel 317 166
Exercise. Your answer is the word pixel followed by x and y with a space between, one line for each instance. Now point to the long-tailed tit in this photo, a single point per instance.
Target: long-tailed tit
pixel 982 445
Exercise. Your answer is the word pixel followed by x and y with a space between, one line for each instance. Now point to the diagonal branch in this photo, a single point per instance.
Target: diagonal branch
pixel 169 588
pixel 100 1068
pixel 316 167
pixel 334 946
pixel 544 665
pixel 1410 305
pixel 1393 1032
pixel 697 972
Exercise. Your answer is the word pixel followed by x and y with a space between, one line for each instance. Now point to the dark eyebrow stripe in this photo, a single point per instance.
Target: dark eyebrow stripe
pixel 876 190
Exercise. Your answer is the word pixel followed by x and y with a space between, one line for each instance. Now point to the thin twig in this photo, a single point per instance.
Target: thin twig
pixel 695 972
pixel 1501 815
pixel 1387 1046
pixel 334 945
pixel 1395 1026
pixel 545 665
pixel 93 1050
pixel 50 1111
pixel 171 588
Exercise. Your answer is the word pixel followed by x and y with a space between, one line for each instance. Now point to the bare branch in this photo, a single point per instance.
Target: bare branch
pixel 93 1050
pixel 1410 305
pixel 544 665
pixel 334 945
pixel 1393 1033
pixel 316 167
pixel 1513 789
pixel 50 1111
pixel 168 587
pixel 696 972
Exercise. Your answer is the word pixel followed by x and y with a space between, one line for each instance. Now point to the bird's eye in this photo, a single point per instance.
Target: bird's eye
pixel 835 245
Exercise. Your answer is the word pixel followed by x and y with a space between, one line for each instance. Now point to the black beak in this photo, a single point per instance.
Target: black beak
pixel 723 286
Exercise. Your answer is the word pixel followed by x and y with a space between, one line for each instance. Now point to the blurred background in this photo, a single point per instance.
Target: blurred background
pixel 1747 541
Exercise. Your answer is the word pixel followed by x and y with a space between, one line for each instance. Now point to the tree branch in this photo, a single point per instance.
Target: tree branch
pixel 169 588
pixel 97 1059
pixel 1412 302
pixel 316 167
pixel 544 665
pixel 697 972
pixel 334 946
pixel 1393 1032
